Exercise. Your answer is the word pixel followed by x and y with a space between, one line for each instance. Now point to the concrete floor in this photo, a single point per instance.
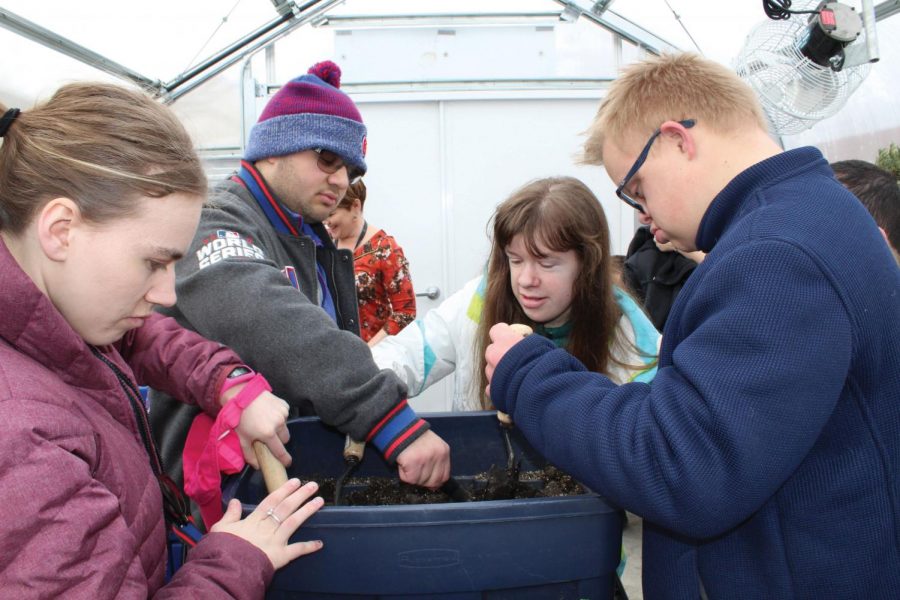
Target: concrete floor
pixel 631 578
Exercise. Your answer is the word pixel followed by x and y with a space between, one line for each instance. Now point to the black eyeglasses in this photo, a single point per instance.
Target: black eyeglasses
pixel 329 162
pixel 620 191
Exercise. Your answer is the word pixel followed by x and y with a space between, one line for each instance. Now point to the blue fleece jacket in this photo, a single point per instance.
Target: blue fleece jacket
pixel 765 456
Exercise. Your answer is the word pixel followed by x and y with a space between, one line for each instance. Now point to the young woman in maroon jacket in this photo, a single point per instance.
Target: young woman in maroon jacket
pixel 100 194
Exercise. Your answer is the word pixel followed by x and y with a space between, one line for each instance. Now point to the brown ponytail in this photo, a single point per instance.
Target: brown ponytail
pixel 99 144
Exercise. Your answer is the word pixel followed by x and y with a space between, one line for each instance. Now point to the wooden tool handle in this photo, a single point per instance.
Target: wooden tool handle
pixel 354 450
pixel 274 473
pixel 524 330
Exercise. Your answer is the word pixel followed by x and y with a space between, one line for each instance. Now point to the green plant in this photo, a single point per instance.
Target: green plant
pixel 889 159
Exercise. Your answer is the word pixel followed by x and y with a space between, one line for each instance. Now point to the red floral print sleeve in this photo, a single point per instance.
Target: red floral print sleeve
pixel 383 286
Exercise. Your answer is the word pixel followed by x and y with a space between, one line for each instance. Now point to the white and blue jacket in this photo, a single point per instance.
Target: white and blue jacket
pixel 443 342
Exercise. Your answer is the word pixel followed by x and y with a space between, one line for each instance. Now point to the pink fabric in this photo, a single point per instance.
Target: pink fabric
pixel 212 448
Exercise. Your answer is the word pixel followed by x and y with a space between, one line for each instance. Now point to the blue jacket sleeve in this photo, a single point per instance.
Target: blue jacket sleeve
pixel 761 353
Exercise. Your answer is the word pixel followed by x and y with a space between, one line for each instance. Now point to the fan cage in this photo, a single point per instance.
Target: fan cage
pixel 795 92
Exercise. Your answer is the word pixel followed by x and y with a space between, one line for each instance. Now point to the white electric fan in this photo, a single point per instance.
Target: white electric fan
pixel 806 61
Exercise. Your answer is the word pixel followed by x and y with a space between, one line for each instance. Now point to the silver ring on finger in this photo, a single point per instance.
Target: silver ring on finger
pixel 271 513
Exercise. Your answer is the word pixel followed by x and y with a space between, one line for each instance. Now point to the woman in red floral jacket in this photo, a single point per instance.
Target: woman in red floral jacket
pixel 387 302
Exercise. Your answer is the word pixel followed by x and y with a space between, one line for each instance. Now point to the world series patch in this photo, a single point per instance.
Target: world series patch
pixel 224 245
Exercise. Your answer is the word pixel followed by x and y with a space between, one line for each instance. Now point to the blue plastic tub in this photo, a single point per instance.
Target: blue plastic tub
pixel 558 547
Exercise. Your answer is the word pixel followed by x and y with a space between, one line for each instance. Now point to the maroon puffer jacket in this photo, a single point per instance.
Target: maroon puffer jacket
pixel 80 510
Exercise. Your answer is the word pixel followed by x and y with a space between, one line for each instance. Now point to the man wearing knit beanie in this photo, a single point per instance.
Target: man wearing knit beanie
pixel 263 277
pixel 311 112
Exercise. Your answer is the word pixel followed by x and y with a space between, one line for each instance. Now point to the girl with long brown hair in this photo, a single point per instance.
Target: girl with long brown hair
pixel 550 267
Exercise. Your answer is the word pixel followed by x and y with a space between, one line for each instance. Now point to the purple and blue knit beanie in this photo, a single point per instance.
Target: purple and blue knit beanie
pixel 310 112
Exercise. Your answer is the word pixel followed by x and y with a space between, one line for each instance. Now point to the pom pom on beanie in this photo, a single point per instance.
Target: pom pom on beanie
pixel 328 72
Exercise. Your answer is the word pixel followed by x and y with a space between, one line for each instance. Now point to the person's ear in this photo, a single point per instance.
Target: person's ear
pixel 681 135
pixel 266 165
pixel 55 224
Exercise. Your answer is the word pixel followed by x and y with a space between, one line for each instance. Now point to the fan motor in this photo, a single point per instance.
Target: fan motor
pixel 832 27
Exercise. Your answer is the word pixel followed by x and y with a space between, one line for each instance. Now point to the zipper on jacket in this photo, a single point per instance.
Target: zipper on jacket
pixel 334 293
pixel 174 503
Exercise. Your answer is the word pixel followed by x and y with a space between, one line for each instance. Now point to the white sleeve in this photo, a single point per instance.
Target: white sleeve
pixel 426 350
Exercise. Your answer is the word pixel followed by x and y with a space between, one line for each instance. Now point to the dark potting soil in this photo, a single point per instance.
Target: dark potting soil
pixel 494 484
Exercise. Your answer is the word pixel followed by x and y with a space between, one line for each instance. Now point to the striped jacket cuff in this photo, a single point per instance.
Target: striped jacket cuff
pixel 397 430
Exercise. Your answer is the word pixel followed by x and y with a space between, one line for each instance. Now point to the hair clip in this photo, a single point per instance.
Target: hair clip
pixel 7 119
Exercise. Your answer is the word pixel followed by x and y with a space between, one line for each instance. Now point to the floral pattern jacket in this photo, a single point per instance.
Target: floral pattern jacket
pixel 383 286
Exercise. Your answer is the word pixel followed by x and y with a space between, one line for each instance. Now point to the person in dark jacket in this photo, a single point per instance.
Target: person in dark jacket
pixel 100 194
pixel 764 457
pixel 654 274
pixel 263 277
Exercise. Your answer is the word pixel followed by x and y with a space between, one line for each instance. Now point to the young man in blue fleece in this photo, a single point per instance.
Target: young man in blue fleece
pixel 765 456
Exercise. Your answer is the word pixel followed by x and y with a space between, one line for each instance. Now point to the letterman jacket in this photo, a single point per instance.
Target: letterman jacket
pixel 250 281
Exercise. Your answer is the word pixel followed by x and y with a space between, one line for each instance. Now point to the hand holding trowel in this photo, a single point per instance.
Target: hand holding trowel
pixel 273 472
pixel 505 420
pixel 502 484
